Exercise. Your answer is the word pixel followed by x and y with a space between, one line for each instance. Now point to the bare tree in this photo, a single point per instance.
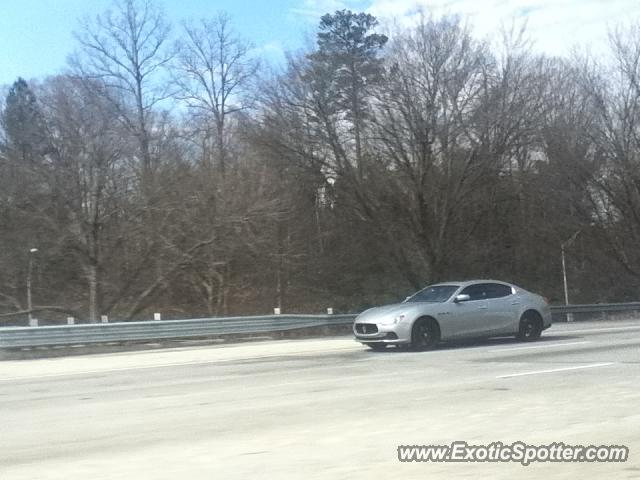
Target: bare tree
pixel 511 122
pixel 611 165
pixel 125 49
pixel 214 71
pixel 89 179
pixel 435 161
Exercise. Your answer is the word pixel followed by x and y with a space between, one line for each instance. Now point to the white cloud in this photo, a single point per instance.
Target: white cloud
pixel 272 50
pixel 554 25
pixel 314 9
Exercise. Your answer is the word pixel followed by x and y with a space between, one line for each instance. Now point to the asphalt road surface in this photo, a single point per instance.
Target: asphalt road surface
pixel 321 409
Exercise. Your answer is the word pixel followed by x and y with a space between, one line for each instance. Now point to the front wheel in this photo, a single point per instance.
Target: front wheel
pixel 425 334
pixel 530 327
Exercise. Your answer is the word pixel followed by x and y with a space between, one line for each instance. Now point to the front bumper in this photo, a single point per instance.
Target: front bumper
pixel 381 333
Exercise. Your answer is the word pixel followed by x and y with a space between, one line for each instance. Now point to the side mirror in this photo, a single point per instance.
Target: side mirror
pixel 462 298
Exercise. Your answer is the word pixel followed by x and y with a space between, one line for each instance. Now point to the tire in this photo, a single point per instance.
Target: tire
pixel 530 327
pixel 378 347
pixel 425 334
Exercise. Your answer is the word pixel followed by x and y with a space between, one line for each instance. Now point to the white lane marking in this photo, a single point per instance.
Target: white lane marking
pixel 586 330
pixel 538 346
pixel 553 370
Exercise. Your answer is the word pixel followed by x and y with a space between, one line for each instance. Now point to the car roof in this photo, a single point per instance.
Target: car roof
pixel 466 283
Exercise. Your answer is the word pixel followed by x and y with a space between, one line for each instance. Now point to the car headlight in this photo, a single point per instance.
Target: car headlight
pixel 398 318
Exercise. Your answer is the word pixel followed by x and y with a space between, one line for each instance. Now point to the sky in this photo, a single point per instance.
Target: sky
pixel 36 36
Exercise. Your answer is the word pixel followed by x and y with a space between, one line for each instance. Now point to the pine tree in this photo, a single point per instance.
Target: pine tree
pixel 348 53
pixel 23 123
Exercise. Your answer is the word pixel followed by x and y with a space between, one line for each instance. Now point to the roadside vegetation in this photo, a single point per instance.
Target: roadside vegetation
pixel 169 169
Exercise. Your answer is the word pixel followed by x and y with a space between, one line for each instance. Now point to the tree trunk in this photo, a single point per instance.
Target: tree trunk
pixel 92 278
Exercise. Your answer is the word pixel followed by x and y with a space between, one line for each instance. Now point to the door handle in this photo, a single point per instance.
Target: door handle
pixel 484 308
pixel 515 303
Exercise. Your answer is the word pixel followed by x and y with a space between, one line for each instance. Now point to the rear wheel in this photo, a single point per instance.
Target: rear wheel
pixel 425 334
pixel 378 347
pixel 530 327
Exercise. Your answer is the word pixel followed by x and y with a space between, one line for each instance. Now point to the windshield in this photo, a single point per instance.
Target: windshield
pixel 434 294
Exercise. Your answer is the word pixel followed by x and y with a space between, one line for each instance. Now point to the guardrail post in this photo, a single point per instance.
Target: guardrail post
pixel 276 311
pixel 71 321
pixel 33 322
pixel 157 316
pixel 329 311
pixel 104 319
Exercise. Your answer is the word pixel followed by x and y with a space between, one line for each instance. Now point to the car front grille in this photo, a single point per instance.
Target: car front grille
pixel 366 328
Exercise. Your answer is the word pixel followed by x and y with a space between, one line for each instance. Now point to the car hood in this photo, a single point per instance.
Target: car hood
pixel 387 313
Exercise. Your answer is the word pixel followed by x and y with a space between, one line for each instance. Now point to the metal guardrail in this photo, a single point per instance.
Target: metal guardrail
pixel 16 337
pixel 596 308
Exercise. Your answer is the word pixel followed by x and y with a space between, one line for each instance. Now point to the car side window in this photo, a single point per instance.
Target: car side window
pixel 497 290
pixel 475 292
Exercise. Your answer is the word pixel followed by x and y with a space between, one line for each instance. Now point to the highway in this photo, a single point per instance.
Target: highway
pixel 321 408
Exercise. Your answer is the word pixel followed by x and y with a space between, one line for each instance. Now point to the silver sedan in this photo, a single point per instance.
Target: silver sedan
pixel 457 310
